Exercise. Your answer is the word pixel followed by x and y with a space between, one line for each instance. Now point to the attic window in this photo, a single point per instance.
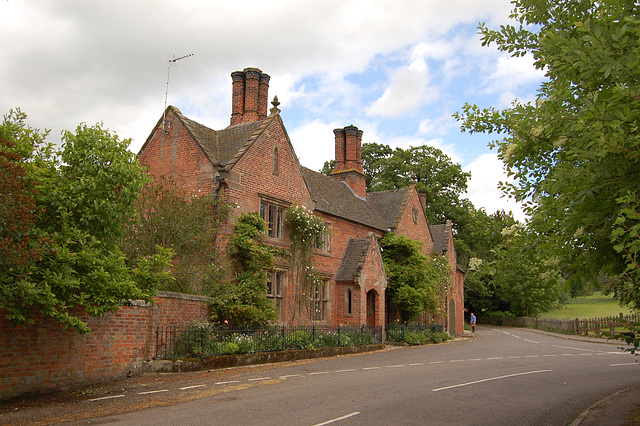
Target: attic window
pixel 275 161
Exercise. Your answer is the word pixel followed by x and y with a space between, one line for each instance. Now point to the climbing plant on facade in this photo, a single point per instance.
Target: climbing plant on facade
pixel 306 231
pixel 242 299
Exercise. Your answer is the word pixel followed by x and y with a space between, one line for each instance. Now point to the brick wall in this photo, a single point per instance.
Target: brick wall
pixel 46 356
pixel 419 229
pixel 173 153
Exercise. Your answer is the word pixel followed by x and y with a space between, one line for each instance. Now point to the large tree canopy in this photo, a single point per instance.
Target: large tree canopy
pixel 575 152
pixel 62 255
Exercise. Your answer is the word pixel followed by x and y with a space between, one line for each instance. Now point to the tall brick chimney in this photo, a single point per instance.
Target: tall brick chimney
pixel 348 164
pixel 250 96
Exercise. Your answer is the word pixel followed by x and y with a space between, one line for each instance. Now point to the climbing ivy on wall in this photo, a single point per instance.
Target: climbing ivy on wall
pixel 304 229
pixel 242 300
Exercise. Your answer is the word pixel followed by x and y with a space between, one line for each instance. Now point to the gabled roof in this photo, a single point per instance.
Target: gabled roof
pixel 224 147
pixel 336 198
pixel 390 204
pixel 354 258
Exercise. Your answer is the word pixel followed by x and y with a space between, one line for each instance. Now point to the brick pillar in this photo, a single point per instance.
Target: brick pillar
pixel 348 167
pixel 237 100
pixel 252 87
pixel 340 149
pixel 351 148
pixel 263 96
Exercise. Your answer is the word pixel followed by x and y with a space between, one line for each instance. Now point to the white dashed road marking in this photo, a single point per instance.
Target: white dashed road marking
pixel 489 379
pixel 337 419
pixel 317 373
pixel 153 391
pixel 192 387
pixel 106 397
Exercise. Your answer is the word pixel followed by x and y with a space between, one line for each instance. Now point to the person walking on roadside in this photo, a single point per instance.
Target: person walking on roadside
pixel 472 320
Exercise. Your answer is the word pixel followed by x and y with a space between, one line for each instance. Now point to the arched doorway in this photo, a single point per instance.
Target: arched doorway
pixel 371 308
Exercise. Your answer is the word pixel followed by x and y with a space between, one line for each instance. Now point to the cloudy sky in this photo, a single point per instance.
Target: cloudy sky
pixel 396 69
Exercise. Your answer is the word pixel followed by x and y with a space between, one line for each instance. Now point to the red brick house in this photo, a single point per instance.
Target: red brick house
pixel 252 164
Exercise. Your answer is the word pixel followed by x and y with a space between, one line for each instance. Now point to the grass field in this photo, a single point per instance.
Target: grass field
pixel 594 306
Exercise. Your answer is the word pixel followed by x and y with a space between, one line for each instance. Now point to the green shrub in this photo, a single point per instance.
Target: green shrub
pixel 300 339
pixel 230 348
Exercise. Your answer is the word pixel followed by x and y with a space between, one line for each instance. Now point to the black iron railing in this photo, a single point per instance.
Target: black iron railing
pixel 207 340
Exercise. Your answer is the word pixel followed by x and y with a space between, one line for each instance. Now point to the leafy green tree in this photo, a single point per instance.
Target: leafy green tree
pixel 19 246
pixel 82 195
pixel 243 301
pixel 575 152
pixel 519 280
pixel 186 224
pixel 415 280
pixel 432 170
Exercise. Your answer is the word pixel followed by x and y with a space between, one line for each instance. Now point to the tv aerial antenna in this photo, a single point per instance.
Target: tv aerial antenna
pixel 172 61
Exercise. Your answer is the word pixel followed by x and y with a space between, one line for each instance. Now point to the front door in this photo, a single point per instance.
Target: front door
pixel 371 308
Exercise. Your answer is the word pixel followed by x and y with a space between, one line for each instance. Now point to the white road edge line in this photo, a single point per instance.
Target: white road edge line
pixel 371 368
pixel 257 379
pixel 153 391
pixel 627 363
pixel 192 387
pixel 289 376
pixel 226 383
pixel 337 419
pixel 106 397
pixel 319 372
pixel 490 379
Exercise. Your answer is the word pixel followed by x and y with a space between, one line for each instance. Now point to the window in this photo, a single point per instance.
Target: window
pixel 348 302
pixel 321 241
pixel 275 161
pixel 275 280
pixel 320 302
pixel 274 216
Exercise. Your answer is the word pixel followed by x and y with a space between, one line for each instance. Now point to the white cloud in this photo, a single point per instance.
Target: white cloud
pixel 314 143
pixel 72 61
pixel 437 126
pixel 510 73
pixel 486 171
pixel 408 90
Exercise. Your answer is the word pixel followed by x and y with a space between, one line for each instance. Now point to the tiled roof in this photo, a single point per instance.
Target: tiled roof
pixel 353 259
pixel 222 146
pixel 389 203
pixel 440 238
pixel 336 198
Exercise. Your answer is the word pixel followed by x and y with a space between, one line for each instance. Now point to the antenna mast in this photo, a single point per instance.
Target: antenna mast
pixel 172 61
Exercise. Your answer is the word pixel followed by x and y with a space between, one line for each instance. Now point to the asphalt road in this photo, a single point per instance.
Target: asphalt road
pixel 501 376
